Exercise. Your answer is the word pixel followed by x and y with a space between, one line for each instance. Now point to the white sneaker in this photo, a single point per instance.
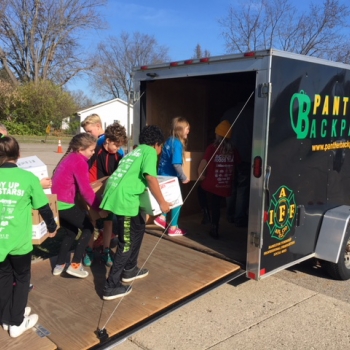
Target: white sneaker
pixel 27 312
pixel 28 323
pixel 77 270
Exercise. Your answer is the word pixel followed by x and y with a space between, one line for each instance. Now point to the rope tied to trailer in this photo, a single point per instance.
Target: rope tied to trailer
pixel 102 334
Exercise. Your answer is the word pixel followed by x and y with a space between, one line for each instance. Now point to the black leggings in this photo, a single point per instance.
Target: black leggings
pixel 130 234
pixel 71 220
pixel 215 204
pixel 13 298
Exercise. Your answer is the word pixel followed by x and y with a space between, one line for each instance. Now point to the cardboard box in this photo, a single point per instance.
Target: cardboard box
pixel 98 187
pixel 35 166
pixel 170 188
pixel 39 230
pixel 191 163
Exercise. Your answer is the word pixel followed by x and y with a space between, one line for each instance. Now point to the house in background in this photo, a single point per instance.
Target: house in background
pixel 111 111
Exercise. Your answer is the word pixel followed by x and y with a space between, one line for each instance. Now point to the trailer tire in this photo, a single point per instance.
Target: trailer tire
pixel 341 269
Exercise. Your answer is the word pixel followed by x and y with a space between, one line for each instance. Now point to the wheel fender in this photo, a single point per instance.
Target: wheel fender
pixel 333 230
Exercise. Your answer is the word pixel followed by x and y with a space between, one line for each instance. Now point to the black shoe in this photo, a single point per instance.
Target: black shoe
pixel 133 274
pixel 214 232
pixel 206 217
pixel 117 292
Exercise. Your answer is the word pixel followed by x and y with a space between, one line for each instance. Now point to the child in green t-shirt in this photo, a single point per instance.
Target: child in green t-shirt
pixel 20 191
pixel 136 171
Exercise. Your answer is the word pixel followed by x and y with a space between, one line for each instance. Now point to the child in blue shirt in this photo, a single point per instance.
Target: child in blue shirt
pixel 171 164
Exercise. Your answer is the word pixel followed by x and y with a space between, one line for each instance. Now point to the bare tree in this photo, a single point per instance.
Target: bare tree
pixel 118 56
pixel 199 53
pixel 81 99
pixel 322 31
pixel 39 39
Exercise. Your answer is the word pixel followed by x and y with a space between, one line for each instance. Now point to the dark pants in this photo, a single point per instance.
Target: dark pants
pixel 71 220
pixel 215 204
pixel 238 203
pixel 131 231
pixel 14 298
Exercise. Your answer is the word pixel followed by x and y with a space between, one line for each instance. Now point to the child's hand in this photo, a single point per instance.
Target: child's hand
pixel 52 234
pixel 103 213
pixel 186 181
pixel 165 207
pixel 46 182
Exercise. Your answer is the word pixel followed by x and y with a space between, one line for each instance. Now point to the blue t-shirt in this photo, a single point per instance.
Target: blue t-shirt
pixel 172 154
pixel 102 139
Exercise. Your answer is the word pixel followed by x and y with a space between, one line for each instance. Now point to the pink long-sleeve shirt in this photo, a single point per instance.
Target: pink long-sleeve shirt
pixel 71 177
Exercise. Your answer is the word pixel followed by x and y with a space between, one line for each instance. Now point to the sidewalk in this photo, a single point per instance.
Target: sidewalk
pixel 269 314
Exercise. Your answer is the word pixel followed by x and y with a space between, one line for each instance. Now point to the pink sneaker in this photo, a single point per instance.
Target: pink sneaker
pixel 160 222
pixel 176 232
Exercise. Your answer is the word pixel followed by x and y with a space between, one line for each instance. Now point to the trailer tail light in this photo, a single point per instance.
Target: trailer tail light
pixel 174 64
pixel 188 61
pixel 252 275
pixel 204 60
pixel 266 216
pixel 249 54
pixel 257 167
pixel 144 67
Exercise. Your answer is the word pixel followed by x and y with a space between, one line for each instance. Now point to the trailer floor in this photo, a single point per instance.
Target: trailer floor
pixel 72 310
pixel 231 245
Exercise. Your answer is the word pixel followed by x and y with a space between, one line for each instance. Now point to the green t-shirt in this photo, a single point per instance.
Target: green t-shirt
pixel 123 189
pixel 20 192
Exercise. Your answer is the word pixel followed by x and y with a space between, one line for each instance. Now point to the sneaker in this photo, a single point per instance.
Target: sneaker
pixel 58 269
pixel 27 312
pixel 28 323
pixel 77 270
pixel 160 222
pixel 214 232
pixel 31 286
pixel 89 257
pixel 118 292
pixel 106 257
pixel 176 232
pixel 133 274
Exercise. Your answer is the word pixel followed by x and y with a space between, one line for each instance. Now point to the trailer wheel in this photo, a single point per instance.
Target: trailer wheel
pixel 341 270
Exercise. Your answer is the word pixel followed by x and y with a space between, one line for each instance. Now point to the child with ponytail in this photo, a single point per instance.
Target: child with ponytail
pixel 170 164
pixel 71 176
pixel 20 192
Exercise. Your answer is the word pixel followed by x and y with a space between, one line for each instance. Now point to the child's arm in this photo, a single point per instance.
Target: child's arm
pixel 180 173
pixel 201 168
pixel 47 215
pixel 153 186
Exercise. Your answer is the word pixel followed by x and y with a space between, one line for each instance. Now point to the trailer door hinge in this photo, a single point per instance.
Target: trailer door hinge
pixel 264 90
pixel 255 239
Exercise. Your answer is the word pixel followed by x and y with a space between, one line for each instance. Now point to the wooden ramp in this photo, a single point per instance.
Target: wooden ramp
pixel 72 309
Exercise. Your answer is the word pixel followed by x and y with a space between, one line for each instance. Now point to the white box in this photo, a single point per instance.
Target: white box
pixel 35 166
pixel 170 188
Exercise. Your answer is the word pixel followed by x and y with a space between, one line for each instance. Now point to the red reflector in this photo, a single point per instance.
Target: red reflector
pixel 204 60
pixel 249 54
pixel 174 64
pixel 188 62
pixel 251 275
pixel 257 167
pixel 144 67
pixel 262 272
pixel 266 216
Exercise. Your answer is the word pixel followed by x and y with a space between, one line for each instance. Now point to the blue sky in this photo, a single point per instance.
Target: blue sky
pixel 180 25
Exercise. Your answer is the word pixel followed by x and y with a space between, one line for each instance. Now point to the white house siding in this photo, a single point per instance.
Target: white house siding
pixel 109 112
